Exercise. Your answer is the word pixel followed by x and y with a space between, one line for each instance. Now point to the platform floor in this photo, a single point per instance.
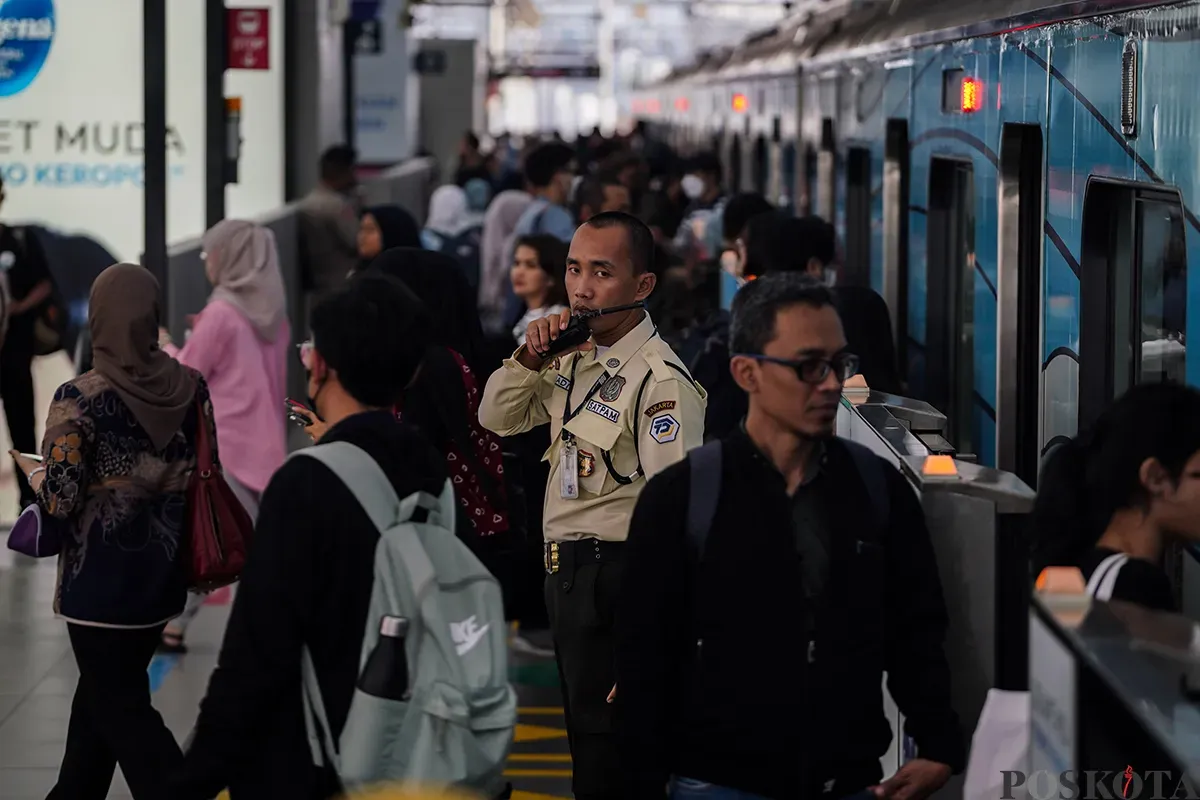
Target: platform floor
pixel 38 673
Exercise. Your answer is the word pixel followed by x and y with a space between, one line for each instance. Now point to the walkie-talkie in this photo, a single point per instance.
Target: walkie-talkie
pixel 577 330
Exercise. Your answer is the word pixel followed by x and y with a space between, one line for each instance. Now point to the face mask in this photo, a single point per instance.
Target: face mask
pixel 692 186
pixel 830 277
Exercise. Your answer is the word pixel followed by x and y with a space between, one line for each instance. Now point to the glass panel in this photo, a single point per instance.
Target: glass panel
pixel 1162 291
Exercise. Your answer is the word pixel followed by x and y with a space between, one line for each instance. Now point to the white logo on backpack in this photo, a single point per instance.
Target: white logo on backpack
pixel 466 635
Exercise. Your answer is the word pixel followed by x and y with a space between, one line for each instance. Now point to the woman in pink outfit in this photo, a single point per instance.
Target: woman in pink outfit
pixel 240 344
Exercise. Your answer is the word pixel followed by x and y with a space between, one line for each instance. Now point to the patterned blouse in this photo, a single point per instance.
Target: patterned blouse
pixel 122 505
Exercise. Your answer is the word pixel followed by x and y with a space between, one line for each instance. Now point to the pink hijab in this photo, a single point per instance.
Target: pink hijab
pixel 242 264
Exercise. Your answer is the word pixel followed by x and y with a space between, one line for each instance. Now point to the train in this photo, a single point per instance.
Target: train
pixel 1014 177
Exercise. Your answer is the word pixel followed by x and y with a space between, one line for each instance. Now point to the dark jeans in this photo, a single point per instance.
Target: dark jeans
pixel 16 388
pixel 582 604
pixel 112 720
pixel 688 789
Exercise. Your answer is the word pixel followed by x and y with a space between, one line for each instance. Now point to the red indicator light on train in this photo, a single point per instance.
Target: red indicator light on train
pixel 653 107
pixel 972 95
pixel 740 103
pixel 681 104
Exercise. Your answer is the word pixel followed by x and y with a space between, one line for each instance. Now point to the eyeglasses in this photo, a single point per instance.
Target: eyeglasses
pixel 304 350
pixel 815 370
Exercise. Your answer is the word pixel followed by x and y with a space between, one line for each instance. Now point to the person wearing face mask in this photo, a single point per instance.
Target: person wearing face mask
pixel 621 408
pixel 313 559
pixel 702 185
pixel 778 575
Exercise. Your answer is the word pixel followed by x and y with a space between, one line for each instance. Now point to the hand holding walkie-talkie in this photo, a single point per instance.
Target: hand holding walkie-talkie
pixel 549 337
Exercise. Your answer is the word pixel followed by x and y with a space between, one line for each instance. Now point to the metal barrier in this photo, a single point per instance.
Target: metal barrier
pixel 1112 684
pixel 976 518
pixel 407 185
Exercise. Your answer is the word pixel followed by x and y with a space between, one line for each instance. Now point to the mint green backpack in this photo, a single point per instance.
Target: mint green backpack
pixel 455 727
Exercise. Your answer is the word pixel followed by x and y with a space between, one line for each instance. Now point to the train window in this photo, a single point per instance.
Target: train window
pixel 827 173
pixel 1133 286
pixel 857 269
pixel 950 311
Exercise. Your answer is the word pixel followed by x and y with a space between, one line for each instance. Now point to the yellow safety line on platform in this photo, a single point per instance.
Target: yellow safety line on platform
pixel 564 758
pixel 522 795
pixel 536 733
pixel 535 711
pixel 537 773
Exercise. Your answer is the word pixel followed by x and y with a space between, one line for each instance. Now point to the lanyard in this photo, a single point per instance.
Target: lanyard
pixel 569 415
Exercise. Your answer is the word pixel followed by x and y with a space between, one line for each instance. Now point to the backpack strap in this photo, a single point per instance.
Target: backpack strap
pixel 1100 586
pixel 704 493
pixel 870 469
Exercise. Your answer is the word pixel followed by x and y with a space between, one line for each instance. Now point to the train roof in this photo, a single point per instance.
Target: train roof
pixel 836 29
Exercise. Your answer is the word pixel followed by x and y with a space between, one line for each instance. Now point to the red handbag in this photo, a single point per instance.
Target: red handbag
pixel 219 528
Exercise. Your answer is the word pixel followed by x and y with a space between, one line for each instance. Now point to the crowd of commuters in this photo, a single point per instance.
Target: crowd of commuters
pixel 605 485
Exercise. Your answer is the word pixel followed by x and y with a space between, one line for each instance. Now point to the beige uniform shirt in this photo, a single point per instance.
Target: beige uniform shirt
pixel 645 406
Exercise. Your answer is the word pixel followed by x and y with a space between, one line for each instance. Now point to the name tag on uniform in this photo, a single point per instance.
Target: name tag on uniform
pixel 562 382
pixel 609 413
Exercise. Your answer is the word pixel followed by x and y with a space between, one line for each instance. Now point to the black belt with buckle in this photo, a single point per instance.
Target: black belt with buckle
pixel 563 556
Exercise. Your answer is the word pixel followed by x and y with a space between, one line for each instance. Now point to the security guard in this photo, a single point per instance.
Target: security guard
pixel 621 408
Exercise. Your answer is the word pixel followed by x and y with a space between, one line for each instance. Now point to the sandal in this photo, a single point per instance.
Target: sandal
pixel 172 643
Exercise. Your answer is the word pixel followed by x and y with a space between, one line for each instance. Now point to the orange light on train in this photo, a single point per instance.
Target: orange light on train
pixel 740 103
pixel 972 95
pixel 681 104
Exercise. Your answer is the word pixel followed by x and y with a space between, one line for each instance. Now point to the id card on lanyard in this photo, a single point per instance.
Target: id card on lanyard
pixel 569 461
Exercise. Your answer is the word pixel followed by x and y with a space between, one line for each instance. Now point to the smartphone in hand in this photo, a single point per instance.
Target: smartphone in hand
pixel 298 414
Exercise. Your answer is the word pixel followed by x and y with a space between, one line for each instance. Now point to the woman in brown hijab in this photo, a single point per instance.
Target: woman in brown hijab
pixel 120 445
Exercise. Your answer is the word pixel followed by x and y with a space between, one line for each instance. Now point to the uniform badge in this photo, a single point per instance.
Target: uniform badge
pixel 664 428
pixel 562 383
pixel 612 363
pixel 587 464
pixel 612 389
pixel 596 407
pixel 664 405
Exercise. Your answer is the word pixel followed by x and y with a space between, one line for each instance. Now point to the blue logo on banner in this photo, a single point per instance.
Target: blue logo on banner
pixel 26 33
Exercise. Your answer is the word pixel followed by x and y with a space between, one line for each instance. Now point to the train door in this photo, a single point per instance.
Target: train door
pixel 1133 313
pixel 950 324
pixel 1019 292
pixel 857 247
pixel 896 176
pixel 1133 291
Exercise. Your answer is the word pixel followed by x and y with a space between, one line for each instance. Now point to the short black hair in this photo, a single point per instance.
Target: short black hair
pixel 590 193
pixel 372 330
pixel 337 161
pixel 706 162
pixel 757 304
pixel 545 161
pixel 641 239
pixel 740 209
pixel 471 140
pixel 779 243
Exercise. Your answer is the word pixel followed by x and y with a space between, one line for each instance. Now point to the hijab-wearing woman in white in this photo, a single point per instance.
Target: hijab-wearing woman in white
pixel 240 344
pixel 449 215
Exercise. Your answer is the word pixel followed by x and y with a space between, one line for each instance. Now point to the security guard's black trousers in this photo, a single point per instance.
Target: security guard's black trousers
pixel 581 598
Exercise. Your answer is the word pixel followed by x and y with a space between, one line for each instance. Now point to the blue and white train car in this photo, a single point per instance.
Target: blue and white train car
pixel 1018 179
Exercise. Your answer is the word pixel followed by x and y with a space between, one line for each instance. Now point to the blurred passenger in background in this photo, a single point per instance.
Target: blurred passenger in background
pixel 702 185
pixel 454 230
pixel 1113 499
pixel 240 344
pixel 496 257
pixel 384 228
pixel 595 195
pixel 329 222
pixel 120 446
pixel 479 195
pixel 735 219
pixel 23 263
pixel 549 171
pixel 538 278
pixel 443 401
pixel 470 160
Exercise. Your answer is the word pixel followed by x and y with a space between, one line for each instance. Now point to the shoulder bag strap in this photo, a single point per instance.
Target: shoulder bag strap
pixel 204 459
pixel 704 493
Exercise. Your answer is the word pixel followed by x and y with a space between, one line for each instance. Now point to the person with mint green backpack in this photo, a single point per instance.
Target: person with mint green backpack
pixel 366 644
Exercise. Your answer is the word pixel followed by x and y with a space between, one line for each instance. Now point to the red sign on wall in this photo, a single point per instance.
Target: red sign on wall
pixel 249 38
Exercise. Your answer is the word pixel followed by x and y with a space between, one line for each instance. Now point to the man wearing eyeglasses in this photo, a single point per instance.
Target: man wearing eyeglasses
pixel 771 579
